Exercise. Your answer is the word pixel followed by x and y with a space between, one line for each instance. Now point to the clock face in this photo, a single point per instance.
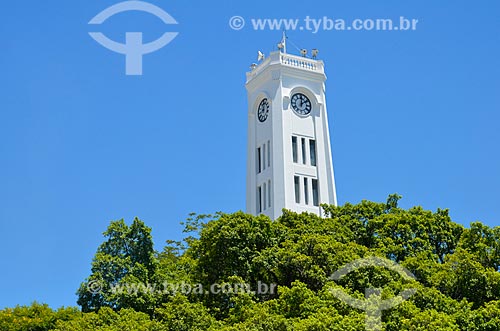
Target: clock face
pixel 263 110
pixel 301 104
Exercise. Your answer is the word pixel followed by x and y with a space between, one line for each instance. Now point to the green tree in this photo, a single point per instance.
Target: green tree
pixel 182 315
pixel 484 243
pixel 37 317
pixel 122 269
pixel 108 320
pixel 463 277
pixel 457 279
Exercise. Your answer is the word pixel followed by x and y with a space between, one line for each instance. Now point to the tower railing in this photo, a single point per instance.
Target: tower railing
pixel 301 62
pixel 288 60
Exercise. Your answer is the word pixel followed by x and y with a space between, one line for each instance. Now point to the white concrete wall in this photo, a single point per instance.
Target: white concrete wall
pixel 277 81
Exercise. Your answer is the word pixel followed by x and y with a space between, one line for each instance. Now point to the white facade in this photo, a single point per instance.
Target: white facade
pixel 289 161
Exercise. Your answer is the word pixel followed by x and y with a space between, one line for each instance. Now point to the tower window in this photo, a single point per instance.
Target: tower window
pixel 259 199
pixel 296 180
pixel 268 153
pixel 264 200
pixel 294 149
pixel 315 192
pixel 269 193
pixel 312 151
pixel 303 140
pixel 259 163
pixel 306 190
pixel 264 154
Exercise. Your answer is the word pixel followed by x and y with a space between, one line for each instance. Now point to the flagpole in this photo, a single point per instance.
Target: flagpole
pixel 284 41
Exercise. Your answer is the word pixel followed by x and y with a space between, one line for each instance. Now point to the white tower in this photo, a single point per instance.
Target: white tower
pixel 289 163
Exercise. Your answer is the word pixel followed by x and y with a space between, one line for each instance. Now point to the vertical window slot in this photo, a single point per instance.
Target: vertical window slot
pixel 264 155
pixel 312 151
pixel 303 143
pixel 268 153
pixel 294 149
pixel 306 190
pixel 264 200
pixel 259 199
pixel 269 193
pixel 315 192
pixel 296 180
pixel 259 163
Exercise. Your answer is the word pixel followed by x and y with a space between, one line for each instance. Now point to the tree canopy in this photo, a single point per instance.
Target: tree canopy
pixel 243 272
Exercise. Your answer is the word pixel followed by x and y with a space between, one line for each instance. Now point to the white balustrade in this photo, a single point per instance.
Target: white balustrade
pixel 301 62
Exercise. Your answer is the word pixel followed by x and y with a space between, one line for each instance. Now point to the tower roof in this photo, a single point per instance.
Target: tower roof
pixel 279 58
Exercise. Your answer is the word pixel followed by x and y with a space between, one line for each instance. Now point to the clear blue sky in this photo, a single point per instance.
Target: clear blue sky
pixel 81 144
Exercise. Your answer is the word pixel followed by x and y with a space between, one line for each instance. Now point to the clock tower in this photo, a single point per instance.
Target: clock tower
pixel 289 161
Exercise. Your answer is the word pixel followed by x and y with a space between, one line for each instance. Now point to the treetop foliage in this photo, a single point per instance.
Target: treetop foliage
pixel 456 269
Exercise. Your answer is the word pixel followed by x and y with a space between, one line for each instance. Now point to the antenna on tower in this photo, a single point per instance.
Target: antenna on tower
pixel 282 43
